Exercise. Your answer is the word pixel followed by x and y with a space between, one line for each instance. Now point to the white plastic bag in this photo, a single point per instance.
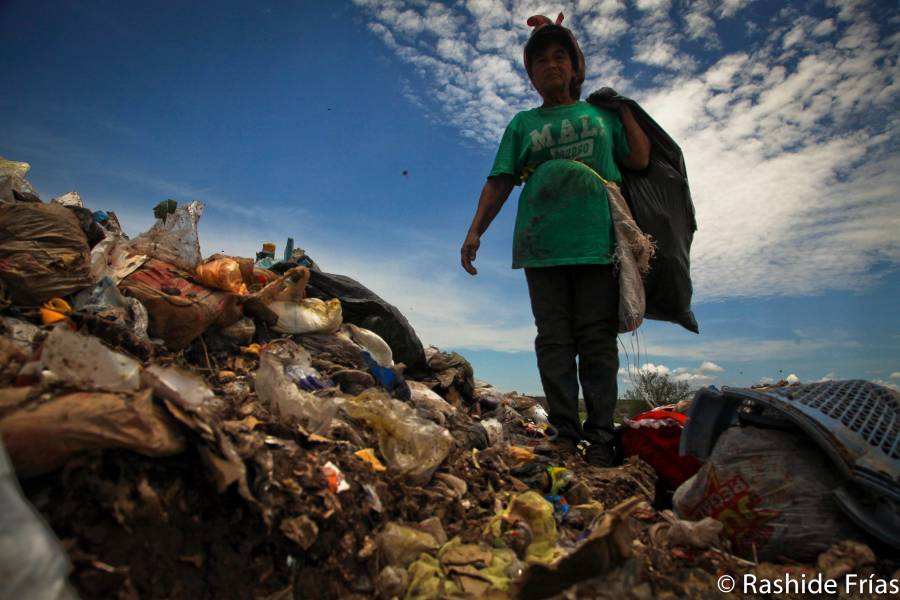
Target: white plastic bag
pixel 113 257
pixel 372 342
pixel 175 239
pixel 276 388
pixel 310 315
pixel 71 199
pixel 773 492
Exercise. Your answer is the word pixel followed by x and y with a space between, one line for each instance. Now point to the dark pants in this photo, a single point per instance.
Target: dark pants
pixel 576 312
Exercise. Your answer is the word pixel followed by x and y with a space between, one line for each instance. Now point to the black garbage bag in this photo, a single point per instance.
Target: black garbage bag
pixel 660 200
pixel 364 308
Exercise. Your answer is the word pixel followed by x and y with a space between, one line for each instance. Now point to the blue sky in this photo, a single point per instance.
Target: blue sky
pixel 300 118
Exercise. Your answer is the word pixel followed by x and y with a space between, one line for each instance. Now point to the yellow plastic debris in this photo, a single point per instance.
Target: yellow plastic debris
pixel 368 455
pixel 55 310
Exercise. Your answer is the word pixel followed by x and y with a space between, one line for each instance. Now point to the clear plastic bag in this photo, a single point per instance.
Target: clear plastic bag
pixel 106 299
pixel 411 445
pixel 276 387
pixel 175 239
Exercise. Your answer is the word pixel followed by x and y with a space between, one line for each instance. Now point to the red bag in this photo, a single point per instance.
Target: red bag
pixel 654 436
pixel 180 310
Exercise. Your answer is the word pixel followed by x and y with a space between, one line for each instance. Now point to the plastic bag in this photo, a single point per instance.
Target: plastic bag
pixel 34 564
pixel 227 274
pixel 364 308
pixel 655 437
pixel 410 445
pixel 275 386
pixel 528 521
pixel 107 301
pixel 12 179
pixel 772 490
pixel 83 361
pixel 310 315
pixel 660 200
pixel 452 370
pixel 428 401
pixel 43 252
pixel 400 545
pixel 174 240
pixel 41 439
pixel 371 342
pixel 180 310
pixel 70 199
pixel 112 257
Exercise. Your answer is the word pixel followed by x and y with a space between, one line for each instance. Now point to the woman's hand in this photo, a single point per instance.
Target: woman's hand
pixel 468 252
pixel 494 193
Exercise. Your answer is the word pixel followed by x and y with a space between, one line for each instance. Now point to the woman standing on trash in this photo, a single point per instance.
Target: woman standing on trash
pixel 564 238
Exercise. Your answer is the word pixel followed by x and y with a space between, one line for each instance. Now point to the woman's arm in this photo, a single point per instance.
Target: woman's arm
pixel 494 193
pixel 637 141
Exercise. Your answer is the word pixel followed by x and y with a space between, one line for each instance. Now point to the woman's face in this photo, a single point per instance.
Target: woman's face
pixel 551 69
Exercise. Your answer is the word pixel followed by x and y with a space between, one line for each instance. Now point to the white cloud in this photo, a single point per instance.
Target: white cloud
pixel 894 375
pixel 782 177
pixel 654 6
pixel 738 349
pixel 710 367
pixel 729 8
pixel 696 377
pixel 888 384
pixel 699 20
pixel 824 27
pixel 826 377
pixel 792 378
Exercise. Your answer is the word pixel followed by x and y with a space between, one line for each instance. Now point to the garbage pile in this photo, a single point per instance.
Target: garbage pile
pixel 231 427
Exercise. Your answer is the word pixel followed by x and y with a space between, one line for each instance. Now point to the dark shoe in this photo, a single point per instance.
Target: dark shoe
pixel 566 445
pixel 600 455
pixel 561 446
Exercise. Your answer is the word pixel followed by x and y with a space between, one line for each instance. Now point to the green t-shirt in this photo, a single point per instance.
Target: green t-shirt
pixel 563 216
